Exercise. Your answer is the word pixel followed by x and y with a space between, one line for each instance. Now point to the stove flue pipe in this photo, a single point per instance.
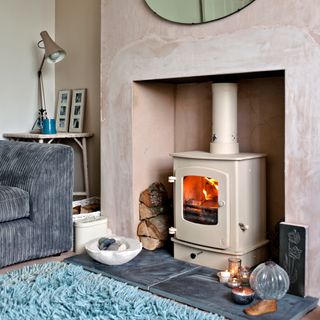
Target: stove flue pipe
pixel 224 119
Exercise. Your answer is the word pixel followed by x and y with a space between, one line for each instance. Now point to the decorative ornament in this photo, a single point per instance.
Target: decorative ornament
pixel 271 283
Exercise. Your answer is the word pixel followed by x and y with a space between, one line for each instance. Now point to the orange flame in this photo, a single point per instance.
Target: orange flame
pixel 213 183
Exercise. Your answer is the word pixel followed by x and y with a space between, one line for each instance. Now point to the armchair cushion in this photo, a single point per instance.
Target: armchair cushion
pixel 14 203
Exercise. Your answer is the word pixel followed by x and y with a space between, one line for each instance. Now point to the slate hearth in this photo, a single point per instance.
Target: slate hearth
pixel 197 286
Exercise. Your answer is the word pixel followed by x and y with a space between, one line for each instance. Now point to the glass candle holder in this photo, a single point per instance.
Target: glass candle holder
pixel 234 283
pixel 245 276
pixel 242 295
pixel 234 265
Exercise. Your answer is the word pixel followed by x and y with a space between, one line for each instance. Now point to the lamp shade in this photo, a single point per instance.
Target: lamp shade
pixel 53 53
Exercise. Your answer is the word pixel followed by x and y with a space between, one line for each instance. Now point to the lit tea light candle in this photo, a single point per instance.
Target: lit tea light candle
pixel 224 276
pixel 234 283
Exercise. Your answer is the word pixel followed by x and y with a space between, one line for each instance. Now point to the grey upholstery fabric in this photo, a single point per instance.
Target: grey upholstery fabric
pixel 45 171
pixel 14 203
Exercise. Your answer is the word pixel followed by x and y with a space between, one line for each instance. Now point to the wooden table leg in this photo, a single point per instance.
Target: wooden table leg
pixel 85 166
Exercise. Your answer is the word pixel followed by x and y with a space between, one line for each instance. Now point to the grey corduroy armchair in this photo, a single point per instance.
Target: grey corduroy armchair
pixel 36 186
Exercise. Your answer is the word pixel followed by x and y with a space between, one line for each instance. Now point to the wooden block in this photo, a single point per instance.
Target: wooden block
pixel 147 212
pixel 154 196
pixel 151 244
pixel 156 228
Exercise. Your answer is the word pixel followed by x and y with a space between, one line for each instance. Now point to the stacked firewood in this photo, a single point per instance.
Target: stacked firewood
pixel 155 216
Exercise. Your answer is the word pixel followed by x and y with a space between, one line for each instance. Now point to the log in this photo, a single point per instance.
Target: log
pixel 86 209
pixel 147 212
pixel 76 210
pixel 156 228
pixel 90 208
pixel 154 196
pixel 151 244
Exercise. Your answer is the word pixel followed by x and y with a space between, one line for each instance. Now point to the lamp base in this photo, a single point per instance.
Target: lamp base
pixel 37 126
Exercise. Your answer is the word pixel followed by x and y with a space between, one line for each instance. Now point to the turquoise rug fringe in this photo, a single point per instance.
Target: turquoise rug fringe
pixel 61 291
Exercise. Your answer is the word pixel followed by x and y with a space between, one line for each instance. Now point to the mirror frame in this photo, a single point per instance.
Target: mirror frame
pixel 194 23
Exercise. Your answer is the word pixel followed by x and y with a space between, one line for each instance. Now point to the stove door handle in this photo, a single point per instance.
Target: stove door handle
pixel 221 203
pixel 243 226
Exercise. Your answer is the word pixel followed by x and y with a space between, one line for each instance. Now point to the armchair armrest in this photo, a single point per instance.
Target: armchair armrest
pixel 45 171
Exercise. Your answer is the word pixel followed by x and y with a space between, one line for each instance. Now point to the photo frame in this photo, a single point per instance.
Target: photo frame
pixel 77 110
pixel 63 110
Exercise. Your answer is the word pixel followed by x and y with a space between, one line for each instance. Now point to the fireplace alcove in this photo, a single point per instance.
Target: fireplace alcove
pixel 174 115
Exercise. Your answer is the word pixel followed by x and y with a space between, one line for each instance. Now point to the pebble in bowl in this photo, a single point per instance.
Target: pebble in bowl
pixel 125 250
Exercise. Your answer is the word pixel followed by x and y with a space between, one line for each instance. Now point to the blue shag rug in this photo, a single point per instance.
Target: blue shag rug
pixel 61 291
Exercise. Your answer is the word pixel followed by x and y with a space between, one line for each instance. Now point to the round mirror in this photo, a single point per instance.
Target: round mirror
pixel 195 11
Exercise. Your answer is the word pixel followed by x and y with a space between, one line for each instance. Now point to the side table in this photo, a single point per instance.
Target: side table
pixel 79 138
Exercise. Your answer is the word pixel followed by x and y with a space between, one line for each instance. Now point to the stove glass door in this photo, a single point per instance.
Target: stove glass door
pixel 202 211
pixel 200 199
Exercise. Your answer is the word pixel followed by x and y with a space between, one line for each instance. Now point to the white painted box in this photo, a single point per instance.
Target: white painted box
pixel 87 230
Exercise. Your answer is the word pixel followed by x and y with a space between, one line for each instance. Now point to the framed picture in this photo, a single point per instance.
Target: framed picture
pixel 77 110
pixel 63 110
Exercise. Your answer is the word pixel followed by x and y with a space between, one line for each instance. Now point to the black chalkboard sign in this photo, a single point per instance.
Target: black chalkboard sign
pixel 293 259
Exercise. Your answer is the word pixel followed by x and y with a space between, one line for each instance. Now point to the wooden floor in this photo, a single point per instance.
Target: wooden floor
pixel 60 257
pixel 313 315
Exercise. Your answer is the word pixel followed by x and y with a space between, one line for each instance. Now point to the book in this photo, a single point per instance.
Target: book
pixel 293 255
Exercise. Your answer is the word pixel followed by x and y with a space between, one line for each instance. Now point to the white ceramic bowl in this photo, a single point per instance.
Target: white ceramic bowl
pixel 114 257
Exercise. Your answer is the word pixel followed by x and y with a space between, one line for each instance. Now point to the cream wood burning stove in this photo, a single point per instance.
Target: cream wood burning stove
pixel 219 196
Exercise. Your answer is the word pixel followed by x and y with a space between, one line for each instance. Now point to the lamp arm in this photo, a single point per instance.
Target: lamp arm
pixel 42 101
pixel 42 114
pixel 41 65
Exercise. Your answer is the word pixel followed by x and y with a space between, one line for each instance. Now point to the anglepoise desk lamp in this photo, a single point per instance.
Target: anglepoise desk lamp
pixel 53 54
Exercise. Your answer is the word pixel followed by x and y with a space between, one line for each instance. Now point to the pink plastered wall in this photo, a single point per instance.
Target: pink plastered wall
pixel 267 35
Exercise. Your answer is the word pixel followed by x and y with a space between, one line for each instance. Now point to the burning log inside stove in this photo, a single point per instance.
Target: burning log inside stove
pixel 207 205
pixel 154 212
pixel 203 212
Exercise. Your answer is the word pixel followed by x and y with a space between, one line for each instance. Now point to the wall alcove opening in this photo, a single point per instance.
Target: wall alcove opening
pixel 174 115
